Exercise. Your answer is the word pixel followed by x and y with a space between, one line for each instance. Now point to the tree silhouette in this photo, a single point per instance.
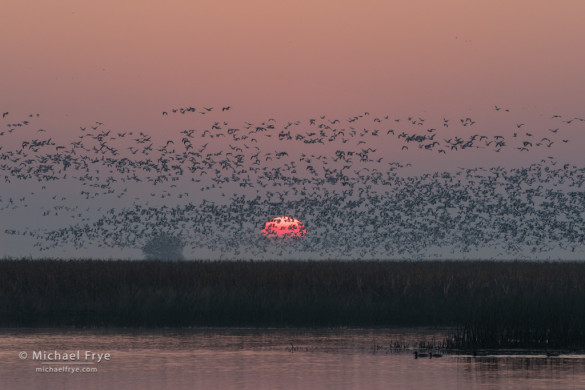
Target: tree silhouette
pixel 164 246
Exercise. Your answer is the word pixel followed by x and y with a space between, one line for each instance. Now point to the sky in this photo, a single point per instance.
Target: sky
pixel 120 60
pixel 122 63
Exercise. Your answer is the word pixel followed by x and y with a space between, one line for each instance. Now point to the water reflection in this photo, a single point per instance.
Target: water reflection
pixel 273 359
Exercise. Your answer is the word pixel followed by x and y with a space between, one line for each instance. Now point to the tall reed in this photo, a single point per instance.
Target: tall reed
pixel 488 304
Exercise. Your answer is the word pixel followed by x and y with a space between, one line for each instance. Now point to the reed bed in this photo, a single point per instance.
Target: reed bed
pixel 487 304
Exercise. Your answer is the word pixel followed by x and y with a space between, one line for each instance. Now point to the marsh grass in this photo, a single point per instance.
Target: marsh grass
pixel 487 304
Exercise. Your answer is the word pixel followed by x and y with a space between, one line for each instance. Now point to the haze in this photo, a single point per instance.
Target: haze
pixel 124 63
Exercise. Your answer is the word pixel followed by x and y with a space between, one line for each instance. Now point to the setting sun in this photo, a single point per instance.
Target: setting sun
pixel 284 227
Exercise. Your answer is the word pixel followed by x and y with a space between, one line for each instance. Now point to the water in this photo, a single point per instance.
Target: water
pixel 267 359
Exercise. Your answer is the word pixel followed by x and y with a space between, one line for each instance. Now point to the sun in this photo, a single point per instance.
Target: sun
pixel 284 227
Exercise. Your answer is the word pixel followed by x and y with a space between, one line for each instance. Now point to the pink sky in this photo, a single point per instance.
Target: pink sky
pixel 122 62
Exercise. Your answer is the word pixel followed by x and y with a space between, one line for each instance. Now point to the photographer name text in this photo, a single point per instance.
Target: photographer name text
pixel 82 356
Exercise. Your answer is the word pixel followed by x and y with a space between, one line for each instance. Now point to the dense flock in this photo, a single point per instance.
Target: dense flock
pixel 347 179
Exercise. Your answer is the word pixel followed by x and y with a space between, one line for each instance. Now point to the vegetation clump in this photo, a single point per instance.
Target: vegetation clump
pixel 164 246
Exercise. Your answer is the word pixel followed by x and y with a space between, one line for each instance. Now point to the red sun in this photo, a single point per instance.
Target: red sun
pixel 284 227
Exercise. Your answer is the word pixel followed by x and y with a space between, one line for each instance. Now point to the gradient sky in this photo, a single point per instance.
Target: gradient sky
pixel 124 62
pixel 119 61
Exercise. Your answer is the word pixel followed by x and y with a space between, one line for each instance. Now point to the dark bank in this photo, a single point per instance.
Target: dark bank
pixel 486 304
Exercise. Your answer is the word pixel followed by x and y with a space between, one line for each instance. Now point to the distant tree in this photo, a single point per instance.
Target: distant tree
pixel 164 246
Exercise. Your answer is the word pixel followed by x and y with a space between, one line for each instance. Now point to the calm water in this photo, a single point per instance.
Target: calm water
pixel 266 359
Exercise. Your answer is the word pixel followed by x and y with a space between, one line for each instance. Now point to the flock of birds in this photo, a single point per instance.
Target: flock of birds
pixel 216 184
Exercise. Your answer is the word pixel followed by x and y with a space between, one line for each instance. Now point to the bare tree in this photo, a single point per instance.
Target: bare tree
pixel 164 246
